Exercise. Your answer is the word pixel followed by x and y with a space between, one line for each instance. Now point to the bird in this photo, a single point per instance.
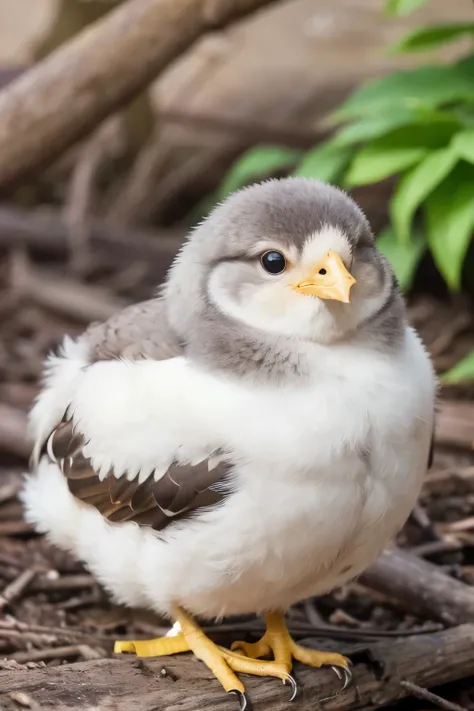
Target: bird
pixel 251 436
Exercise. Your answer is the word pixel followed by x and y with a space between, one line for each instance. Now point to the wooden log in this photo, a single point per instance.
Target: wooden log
pixel 66 95
pixel 184 684
pixel 421 587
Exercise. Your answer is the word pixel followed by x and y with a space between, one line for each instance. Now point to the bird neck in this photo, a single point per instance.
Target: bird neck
pixel 244 351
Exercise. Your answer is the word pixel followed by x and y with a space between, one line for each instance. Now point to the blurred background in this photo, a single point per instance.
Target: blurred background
pixel 373 96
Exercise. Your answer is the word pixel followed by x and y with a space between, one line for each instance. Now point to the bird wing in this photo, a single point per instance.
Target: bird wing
pixel 139 331
pixel 122 458
pixel 177 493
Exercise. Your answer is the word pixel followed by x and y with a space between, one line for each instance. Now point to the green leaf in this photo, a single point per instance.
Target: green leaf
pixel 466 66
pixel 404 258
pixel 464 370
pixel 372 127
pixel 398 150
pixel 414 187
pixel 465 114
pixel 374 163
pixel 257 162
pixel 394 8
pixel 425 86
pixel 366 129
pixel 326 162
pixel 463 145
pixel 449 214
pixel 430 37
pixel 423 135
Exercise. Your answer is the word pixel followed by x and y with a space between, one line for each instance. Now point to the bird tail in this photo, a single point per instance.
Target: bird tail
pixel 107 550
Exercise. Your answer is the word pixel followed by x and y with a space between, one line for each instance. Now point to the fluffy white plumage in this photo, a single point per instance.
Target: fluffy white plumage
pixel 327 471
pixel 280 344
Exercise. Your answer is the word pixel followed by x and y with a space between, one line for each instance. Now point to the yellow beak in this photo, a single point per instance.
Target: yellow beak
pixel 328 280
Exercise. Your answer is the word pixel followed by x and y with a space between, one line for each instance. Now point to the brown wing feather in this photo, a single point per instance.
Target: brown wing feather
pixel 139 331
pixel 179 493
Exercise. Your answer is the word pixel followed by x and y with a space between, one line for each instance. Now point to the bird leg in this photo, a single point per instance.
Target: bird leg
pixel 278 641
pixel 222 662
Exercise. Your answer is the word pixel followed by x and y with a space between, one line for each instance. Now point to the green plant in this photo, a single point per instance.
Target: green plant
pixel 256 163
pixel 416 126
pixel 464 370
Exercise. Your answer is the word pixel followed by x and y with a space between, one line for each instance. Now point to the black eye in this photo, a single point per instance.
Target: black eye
pixel 273 262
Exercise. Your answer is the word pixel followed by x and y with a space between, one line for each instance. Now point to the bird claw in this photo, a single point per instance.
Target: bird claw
pixel 294 687
pixel 347 678
pixel 341 673
pixel 244 701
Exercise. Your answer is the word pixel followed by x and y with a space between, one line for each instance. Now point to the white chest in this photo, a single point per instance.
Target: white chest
pixel 327 471
pixel 327 475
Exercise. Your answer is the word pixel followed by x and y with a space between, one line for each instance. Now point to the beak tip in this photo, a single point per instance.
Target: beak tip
pixel 335 286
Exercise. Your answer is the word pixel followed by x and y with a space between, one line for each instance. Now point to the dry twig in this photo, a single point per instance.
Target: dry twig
pixel 46 232
pixel 98 149
pixel 16 588
pixel 421 587
pixel 80 302
pixel 73 650
pixel 65 582
pixel 421 693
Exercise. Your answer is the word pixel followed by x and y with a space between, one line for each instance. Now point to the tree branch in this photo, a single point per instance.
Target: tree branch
pixel 45 231
pixel 421 587
pixel 67 94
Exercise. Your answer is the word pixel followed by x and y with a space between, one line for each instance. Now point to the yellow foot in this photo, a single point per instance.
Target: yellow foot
pixel 221 661
pixel 277 641
pixel 161 647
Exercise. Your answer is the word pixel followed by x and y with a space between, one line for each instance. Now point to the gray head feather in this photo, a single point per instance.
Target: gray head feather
pixel 286 212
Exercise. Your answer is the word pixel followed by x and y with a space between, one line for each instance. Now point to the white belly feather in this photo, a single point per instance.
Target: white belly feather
pixel 326 475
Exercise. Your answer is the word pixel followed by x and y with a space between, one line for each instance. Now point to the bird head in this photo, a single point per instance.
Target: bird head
pixel 291 258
